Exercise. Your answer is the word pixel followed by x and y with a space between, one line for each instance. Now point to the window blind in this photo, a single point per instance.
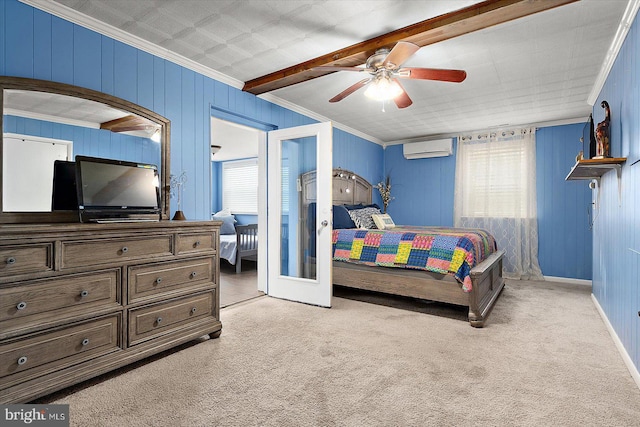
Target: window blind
pixel 240 186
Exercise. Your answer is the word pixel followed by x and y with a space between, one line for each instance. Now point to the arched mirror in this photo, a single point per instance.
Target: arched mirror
pixel 43 120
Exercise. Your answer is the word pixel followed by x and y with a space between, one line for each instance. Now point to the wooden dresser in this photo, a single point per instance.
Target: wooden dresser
pixel 79 300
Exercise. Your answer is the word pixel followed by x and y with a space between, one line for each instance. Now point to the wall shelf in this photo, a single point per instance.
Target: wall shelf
pixel 588 169
pixel 595 168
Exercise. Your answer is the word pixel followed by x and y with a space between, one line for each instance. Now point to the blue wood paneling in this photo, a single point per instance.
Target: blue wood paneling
pixel 563 206
pixel 616 233
pixel 18 28
pixel 87 53
pixel 125 72
pixel 145 81
pixel 61 50
pixel 3 38
pixel 422 188
pixel 42 49
pixel 107 67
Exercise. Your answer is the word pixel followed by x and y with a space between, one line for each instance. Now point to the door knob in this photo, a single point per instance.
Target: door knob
pixel 324 223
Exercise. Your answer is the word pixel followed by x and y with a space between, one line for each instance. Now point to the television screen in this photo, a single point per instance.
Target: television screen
pixel 116 189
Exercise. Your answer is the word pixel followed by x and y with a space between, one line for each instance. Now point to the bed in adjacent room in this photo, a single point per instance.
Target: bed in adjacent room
pixel 237 242
pixel 455 266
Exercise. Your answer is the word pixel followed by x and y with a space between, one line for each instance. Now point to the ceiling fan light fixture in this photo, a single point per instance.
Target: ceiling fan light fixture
pixel 383 89
pixel 155 136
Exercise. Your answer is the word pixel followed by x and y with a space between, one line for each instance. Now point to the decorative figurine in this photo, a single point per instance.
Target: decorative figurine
pixel 603 147
pixel 592 138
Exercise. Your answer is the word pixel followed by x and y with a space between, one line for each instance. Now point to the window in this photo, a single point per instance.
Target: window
pixel 240 186
pixel 495 190
pixel 494 178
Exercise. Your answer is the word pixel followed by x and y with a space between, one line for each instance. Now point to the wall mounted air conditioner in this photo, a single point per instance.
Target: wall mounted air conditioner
pixel 427 149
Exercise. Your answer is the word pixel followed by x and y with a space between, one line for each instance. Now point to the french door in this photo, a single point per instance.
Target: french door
pixel 299 251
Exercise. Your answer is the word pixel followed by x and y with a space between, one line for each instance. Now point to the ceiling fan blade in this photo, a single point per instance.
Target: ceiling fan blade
pixel 402 100
pixel 400 53
pixel 455 76
pixel 348 91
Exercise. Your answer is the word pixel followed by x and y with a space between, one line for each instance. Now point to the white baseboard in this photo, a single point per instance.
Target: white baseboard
pixel 633 370
pixel 568 280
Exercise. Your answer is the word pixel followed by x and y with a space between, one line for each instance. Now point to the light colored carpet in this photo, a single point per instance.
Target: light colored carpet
pixel 544 359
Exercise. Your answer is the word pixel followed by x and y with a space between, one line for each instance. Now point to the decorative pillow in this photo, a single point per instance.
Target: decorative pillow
pixel 353 207
pixel 341 218
pixel 362 217
pixel 228 222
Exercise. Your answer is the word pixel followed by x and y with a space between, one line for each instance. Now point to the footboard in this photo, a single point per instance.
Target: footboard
pixel 247 244
pixel 487 282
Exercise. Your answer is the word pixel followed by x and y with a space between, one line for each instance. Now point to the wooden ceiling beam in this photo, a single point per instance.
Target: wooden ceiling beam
pixel 475 17
pixel 128 123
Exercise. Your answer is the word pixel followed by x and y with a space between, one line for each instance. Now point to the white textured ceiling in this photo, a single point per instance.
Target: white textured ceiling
pixel 535 69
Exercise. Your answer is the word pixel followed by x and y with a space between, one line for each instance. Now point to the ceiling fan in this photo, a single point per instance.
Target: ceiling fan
pixel 385 69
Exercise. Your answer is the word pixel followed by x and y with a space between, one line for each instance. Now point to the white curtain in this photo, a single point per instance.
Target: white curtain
pixel 495 189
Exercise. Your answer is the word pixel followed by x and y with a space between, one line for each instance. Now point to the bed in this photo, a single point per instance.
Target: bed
pixel 479 294
pixel 243 244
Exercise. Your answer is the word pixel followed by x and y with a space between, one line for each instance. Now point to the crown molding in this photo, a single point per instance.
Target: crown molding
pixel 623 28
pixel 71 15
pixel 298 109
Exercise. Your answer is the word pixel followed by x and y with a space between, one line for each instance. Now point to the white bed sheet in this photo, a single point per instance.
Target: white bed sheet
pixel 228 243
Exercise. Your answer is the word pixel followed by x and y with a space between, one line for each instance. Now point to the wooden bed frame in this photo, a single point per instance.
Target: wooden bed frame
pixel 486 277
pixel 246 244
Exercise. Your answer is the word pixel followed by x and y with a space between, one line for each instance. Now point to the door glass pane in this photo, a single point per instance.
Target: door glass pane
pixel 297 243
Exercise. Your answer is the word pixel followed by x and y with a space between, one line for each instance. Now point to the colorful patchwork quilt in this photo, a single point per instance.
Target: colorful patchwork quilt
pixel 439 249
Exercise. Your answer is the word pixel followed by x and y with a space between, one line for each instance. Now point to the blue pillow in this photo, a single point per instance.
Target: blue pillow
pixel 352 207
pixel 341 218
pixel 228 221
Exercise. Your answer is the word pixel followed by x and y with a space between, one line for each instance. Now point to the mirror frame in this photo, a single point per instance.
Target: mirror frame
pixel 20 83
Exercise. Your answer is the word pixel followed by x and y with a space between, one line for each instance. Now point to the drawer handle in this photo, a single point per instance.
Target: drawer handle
pixel 22 360
pixel 11 260
pixel 159 320
pixel 196 244
pixel 193 310
pixel 159 280
pixel 84 294
pixel 85 341
pixel 125 249
pixel 193 274
pixel 21 305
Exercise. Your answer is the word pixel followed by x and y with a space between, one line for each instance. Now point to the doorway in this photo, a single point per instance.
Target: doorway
pixel 239 153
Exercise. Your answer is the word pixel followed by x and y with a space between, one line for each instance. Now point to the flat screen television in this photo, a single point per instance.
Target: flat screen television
pixel 117 190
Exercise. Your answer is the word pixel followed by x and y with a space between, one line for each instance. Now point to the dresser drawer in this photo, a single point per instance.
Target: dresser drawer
pixel 197 242
pixel 82 253
pixel 153 320
pixel 39 354
pixel 40 301
pixel 21 259
pixel 151 280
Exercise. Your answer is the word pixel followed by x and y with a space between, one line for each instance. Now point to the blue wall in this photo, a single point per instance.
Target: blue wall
pixel 564 236
pixel 36 44
pixel 616 232
pixel 424 190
